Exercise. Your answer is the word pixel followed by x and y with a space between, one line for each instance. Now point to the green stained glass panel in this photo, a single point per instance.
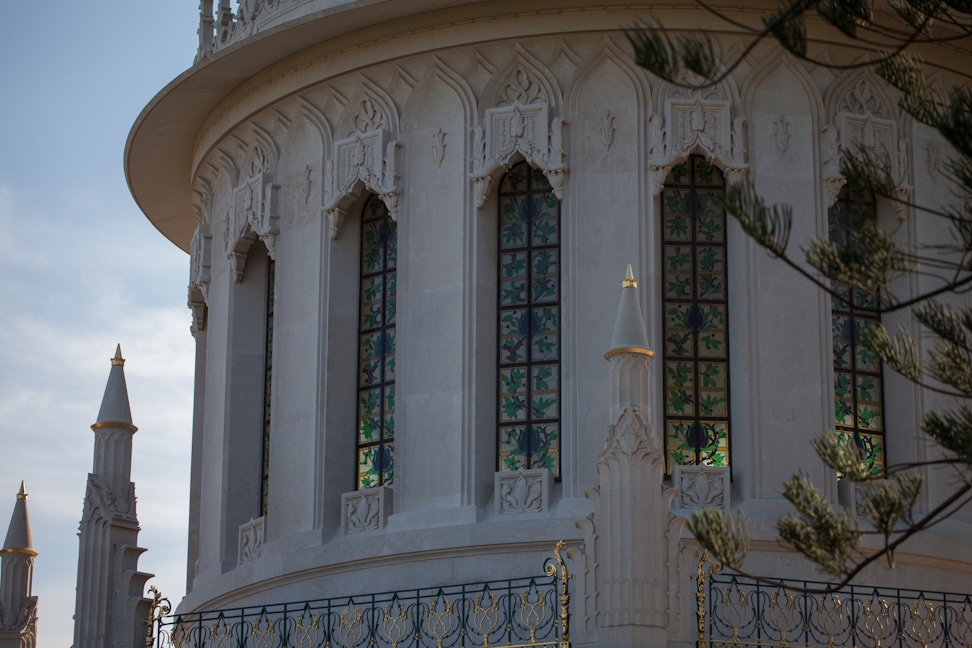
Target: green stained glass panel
pixel 858 384
pixel 528 341
pixel 696 336
pixel 376 346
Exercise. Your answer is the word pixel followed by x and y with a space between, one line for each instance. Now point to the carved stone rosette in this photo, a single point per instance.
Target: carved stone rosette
pixel 522 491
pixel 365 510
pixel 694 124
pixel 252 536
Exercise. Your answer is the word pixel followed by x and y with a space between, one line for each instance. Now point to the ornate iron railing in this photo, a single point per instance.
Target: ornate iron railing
pixel 511 613
pixel 745 612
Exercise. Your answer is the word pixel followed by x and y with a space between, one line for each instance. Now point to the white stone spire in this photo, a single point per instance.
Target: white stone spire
pixel 109 605
pixel 631 523
pixel 18 608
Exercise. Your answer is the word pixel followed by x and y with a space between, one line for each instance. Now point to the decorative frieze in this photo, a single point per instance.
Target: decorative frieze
pixel 200 267
pixel 522 491
pixel 252 536
pixel 366 509
pixel 701 486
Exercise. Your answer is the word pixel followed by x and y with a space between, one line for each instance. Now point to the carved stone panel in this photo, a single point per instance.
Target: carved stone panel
pixel 368 157
pixel 523 491
pixel 252 535
pixel 701 486
pixel 366 509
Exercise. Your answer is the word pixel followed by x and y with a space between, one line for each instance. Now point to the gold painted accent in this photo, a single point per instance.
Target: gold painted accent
pixel 20 550
pixel 118 360
pixel 551 570
pixel 114 424
pixel 629 281
pixel 701 577
pixel 636 350
pixel 160 607
pixel 22 495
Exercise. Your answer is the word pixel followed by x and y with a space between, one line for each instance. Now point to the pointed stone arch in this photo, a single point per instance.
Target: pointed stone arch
pixel 515 121
pixel 609 52
pixel 254 213
pixel 696 121
pixel 864 114
pixel 365 158
pixel 438 72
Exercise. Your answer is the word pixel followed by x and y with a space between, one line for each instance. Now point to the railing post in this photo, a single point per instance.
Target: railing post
pixel 701 578
pixel 551 570
pixel 160 607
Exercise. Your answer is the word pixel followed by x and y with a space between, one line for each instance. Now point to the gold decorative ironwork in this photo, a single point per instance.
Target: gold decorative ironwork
pixel 160 605
pixel 701 577
pixel 526 612
pixel 562 576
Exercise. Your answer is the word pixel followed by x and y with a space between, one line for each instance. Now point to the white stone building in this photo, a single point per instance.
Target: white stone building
pixel 407 221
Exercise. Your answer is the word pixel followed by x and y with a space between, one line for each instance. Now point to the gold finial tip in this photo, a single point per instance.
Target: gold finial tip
pixel 118 360
pixel 629 280
pixel 22 495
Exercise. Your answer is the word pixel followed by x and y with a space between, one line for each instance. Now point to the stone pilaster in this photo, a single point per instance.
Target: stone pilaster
pixel 109 604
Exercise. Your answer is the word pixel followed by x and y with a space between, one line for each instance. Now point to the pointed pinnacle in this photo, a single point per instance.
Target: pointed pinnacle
pixel 629 280
pixel 118 360
pixel 22 495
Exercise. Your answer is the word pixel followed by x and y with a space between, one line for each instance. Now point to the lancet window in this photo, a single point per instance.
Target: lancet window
pixel 528 402
pixel 695 305
pixel 376 347
pixel 858 381
pixel 267 384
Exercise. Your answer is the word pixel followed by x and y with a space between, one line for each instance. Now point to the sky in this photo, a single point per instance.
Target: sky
pixel 82 269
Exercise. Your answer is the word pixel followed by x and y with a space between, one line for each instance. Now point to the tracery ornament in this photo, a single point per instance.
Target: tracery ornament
pixel 368 156
pixel 695 307
pixel 376 347
pixel 254 212
pixel 863 121
pixel 695 122
pixel 528 349
pixel 519 123
pixel 858 373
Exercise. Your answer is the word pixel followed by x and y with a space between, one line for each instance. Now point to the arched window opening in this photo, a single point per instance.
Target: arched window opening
pixel 267 384
pixel 376 347
pixel 528 390
pixel 695 307
pixel 858 380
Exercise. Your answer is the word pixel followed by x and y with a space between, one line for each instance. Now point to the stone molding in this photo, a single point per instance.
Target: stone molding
pixel 522 491
pixel 101 503
pixel 701 487
pixel 366 509
pixel 252 536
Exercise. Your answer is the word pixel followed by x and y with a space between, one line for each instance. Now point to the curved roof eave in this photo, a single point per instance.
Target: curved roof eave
pixel 158 152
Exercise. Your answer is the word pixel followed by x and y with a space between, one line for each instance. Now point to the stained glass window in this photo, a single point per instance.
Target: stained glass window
pixel 267 381
pixel 695 305
pixel 858 382
pixel 376 347
pixel 528 404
